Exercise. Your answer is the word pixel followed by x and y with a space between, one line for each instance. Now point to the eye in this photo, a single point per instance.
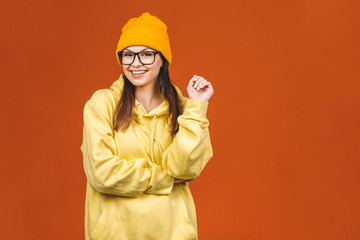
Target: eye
pixel 128 54
pixel 147 54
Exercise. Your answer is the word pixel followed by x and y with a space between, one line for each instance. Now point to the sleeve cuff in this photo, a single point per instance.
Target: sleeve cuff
pixel 196 108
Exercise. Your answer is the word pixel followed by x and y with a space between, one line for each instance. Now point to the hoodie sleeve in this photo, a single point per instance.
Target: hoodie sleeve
pixel 105 171
pixel 191 148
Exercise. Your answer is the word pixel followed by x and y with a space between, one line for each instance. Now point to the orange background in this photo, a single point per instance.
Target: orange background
pixel 284 119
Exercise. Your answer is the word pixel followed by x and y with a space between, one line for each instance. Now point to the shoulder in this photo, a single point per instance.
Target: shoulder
pixel 102 96
pixel 108 96
pixel 102 101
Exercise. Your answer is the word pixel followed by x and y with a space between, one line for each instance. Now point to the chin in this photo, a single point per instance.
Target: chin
pixel 137 81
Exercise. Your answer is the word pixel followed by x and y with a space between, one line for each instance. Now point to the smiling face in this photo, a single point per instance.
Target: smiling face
pixel 137 73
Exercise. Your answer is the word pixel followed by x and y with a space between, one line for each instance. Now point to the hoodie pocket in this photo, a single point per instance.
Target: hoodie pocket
pixel 189 229
pixel 100 225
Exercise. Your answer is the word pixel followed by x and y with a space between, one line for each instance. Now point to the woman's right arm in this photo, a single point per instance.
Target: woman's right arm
pixel 105 171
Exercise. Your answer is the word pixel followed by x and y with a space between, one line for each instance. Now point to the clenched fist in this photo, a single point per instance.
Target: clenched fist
pixel 199 89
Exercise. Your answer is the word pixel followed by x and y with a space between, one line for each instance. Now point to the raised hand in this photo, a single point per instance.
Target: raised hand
pixel 199 89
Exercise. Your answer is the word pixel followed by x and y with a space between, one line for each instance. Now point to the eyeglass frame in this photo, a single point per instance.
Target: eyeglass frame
pixel 136 54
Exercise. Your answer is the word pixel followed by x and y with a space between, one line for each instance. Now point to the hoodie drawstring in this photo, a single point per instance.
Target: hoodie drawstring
pixel 152 135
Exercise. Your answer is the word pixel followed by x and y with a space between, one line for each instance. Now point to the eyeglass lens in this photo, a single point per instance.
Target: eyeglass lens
pixel 145 57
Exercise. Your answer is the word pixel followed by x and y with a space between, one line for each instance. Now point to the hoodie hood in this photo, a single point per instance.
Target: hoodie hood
pixel 162 109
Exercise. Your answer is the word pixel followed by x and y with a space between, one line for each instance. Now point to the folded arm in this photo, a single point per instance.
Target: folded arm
pixel 105 171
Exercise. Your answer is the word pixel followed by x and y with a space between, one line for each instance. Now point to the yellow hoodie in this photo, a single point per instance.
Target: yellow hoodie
pixel 131 194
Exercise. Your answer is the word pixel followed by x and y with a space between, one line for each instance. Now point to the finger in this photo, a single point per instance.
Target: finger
pixel 208 84
pixel 201 84
pixel 197 82
pixel 193 80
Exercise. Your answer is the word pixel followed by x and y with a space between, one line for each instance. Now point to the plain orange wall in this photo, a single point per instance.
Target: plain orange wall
pixel 284 119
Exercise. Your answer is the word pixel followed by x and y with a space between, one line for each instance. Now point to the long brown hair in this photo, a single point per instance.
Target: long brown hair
pixel 124 111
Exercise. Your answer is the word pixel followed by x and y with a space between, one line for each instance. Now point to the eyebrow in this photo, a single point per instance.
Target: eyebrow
pixel 140 51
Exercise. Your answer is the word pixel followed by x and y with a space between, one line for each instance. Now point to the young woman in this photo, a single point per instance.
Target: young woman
pixel 143 143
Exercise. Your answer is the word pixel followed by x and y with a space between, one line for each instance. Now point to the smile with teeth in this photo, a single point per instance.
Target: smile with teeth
pixel 138 72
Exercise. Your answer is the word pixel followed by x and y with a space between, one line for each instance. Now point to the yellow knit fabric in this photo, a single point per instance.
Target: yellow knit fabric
pixel 146 30
pixel 131 193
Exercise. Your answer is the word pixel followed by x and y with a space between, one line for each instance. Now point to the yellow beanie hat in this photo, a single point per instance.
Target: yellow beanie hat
pixel 146 30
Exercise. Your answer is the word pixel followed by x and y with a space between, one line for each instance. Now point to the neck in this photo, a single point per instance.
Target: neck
pixel 149 96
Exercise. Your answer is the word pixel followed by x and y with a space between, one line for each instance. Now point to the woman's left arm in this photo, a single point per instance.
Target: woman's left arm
pixel 191 148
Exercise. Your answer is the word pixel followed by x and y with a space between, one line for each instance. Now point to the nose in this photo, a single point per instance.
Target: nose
pixel 136 61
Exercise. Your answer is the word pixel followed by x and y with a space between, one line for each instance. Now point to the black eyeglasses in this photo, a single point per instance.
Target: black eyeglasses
pixel 145 57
